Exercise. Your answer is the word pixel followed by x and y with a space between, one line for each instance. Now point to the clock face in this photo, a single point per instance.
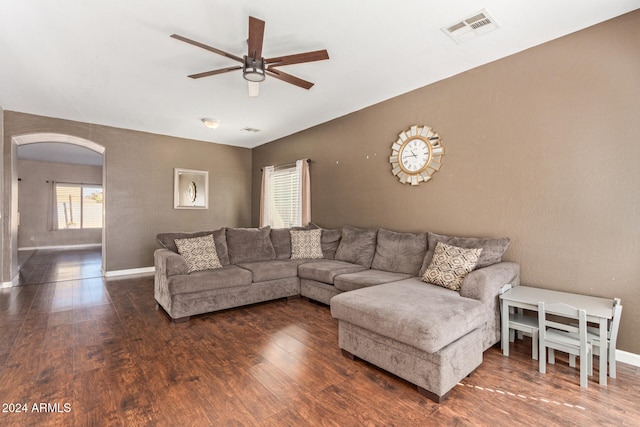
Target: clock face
pixel 416 155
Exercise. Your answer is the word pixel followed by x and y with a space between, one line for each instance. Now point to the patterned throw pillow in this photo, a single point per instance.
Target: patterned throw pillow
pixel 450 265
pixel 306 244
pixel 199 252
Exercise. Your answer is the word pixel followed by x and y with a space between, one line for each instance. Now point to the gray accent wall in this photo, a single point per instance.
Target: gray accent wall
pixel 542 147
pixel 139 186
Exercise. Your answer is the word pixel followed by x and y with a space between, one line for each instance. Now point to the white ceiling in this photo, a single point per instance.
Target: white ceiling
pixel 59 152
pixel 113 63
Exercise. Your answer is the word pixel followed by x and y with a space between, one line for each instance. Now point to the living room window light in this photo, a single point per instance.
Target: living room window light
pixel 76 206
pixel 285 197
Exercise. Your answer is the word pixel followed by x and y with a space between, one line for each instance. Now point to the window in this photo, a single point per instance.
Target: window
pixel 78 206
pixel 285 196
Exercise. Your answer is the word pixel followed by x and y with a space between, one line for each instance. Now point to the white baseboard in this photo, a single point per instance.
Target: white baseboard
pixel 61 248
pixel 130 272
pixel 12 283
pixel 628 358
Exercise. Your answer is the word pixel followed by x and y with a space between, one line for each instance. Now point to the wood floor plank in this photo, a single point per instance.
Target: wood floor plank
pixel 102 347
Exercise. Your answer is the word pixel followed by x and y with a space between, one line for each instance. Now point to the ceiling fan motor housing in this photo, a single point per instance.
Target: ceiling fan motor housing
pixel 253 69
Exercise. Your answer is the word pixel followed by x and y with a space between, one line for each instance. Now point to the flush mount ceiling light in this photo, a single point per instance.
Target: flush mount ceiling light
pixel 211 123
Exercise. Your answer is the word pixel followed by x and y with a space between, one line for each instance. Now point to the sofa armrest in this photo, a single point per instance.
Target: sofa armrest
pixel 170 263
pixel 484 284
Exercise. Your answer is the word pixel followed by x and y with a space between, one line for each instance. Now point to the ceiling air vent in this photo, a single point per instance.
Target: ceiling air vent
pixel 252 130
pixel 475 25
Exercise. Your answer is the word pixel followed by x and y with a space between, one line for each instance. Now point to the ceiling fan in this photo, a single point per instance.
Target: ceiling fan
pixel 254 67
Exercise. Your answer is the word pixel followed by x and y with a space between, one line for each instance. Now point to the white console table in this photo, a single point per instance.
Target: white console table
pixel 599 310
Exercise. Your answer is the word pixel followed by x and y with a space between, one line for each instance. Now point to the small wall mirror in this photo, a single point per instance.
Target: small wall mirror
pixel 190 189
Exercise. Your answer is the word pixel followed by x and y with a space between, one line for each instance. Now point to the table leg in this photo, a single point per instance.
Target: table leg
pixel 603 352
pixel 505 328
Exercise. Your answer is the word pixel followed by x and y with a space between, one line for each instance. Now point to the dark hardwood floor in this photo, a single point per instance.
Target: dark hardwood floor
pixel 97 353
pixel 45 266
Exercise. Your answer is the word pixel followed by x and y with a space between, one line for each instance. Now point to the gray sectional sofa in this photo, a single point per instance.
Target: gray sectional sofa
pixel 427 334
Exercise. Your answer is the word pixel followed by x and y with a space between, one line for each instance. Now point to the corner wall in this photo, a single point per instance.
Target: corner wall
pixel 139 184
pixel 542 147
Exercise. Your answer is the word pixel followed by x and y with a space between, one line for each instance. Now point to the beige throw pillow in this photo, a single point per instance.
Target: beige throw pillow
pixel 450 265
pixel 306 244
pixel 199 252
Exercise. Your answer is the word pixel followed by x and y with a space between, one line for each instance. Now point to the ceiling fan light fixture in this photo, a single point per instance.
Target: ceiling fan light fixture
pixel 253 69
pixel 211 123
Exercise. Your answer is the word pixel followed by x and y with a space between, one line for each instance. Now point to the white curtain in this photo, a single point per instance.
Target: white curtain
pixel 304 188
pixel 53 207
pixel 266 195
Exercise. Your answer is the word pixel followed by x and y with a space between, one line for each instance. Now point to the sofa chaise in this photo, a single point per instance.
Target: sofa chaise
pixel 373 279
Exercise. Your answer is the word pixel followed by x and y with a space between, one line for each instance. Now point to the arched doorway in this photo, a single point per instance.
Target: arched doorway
pixel 35 138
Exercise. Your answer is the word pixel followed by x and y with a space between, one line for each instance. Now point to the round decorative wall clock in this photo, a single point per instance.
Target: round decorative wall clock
pixel 416 155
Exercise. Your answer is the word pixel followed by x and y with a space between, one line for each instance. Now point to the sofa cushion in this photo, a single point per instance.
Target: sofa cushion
pixel 400 252
pixel 362 279
pixel 225 277
pixel 306 244
pixel 199 253
pixel 492 249
pixel 167 240
pixel 250 244
pixel 281 240
pixel 325 270
pixel 263 271
pixel 450 265
pixel 424 316
pixel 330 241
pixel 357 246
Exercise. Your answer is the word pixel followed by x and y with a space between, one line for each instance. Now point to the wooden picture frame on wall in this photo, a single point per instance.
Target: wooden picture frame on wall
pixel 190 189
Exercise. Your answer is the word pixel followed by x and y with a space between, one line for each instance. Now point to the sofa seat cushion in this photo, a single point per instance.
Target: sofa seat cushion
pixel 325 270
pixel 225 277
pixel 365 278
pixel 263 271
pixel 424 316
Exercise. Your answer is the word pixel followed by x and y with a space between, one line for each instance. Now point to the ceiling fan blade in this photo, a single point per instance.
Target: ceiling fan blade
pixel 289 78
pixel 214 72
pixel 206 47
pixel 256 36
pixel 298 58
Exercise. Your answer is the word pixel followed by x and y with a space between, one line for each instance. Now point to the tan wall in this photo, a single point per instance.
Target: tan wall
pixel 34 199
pixel 139 184
pixel 542 147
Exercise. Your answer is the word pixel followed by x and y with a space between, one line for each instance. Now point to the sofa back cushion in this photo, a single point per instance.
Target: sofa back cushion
pixel 250 244
pixel 167 240
pixel 492 249
pixel 281 240
pixel 400 252
pixel 330 241
pixel 357 246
